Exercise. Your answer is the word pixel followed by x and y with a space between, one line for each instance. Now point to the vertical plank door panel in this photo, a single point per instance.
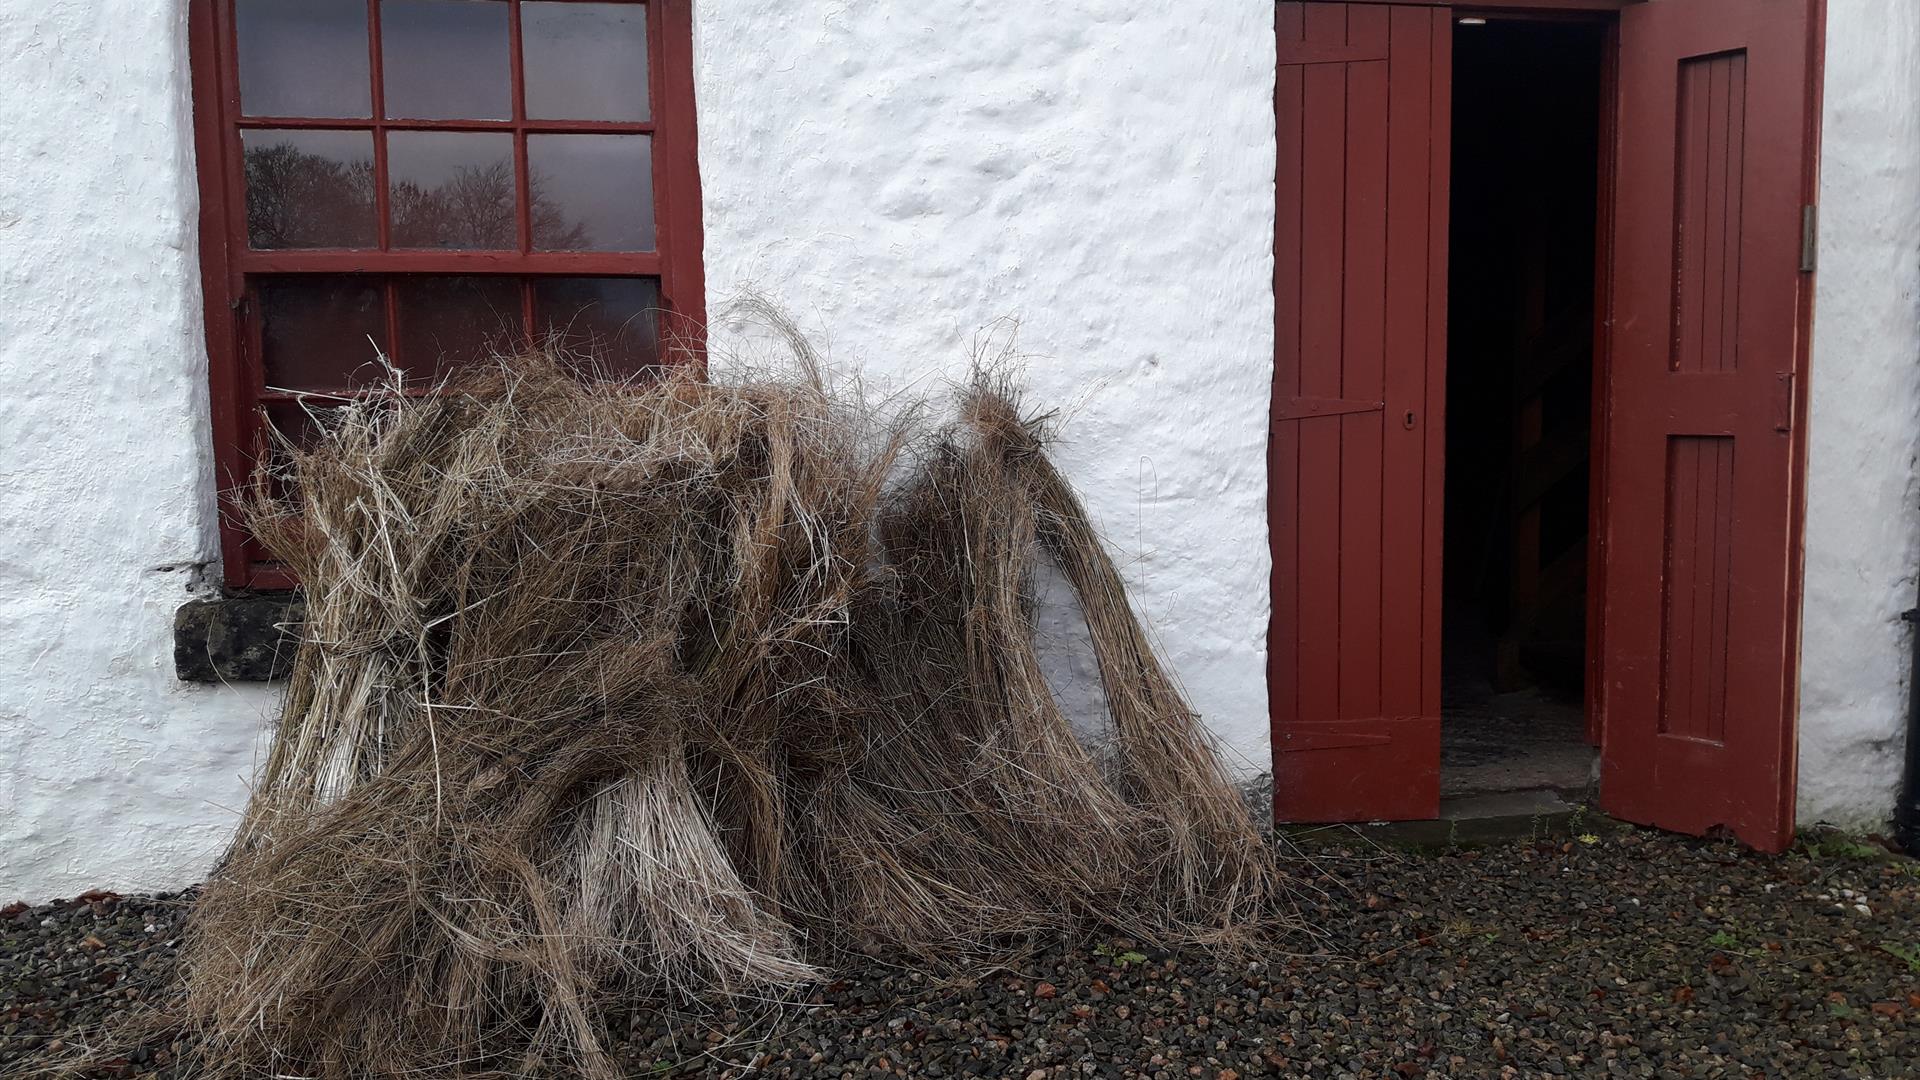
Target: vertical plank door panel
pixel 1406 346
pixel 1360 107
pixel 1708 310
pixel 1362 361
pixel 1323 196
pixel 1432 423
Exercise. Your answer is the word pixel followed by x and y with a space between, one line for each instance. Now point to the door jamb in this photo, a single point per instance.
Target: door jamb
pixel 1597 513
pixel 1802 395
pixel 1529 6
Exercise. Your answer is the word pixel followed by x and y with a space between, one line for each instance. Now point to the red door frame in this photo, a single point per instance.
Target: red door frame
pixel 1517 7
pixel 1596 703
pixel 1797 499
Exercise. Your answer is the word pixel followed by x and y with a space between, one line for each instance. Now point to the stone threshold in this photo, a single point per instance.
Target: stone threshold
pixel 1472 821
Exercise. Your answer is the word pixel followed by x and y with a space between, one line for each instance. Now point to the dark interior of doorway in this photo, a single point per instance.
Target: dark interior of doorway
pixel 1526 143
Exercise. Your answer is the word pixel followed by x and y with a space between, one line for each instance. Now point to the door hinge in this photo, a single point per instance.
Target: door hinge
pixel 1809 238
pixel 1783 401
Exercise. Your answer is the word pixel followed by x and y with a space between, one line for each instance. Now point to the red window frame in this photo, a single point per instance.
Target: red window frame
pixel 229 266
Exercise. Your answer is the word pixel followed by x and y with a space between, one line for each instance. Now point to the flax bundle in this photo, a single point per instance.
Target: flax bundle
pixel 687 686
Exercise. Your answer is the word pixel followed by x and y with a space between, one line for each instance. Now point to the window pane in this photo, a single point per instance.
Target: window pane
pixel 323 332
pixel 608 321
pixel 298 421
pixel 309 189
pixel 584 61
pixel 445 60
pixel 303 57
pixel 446 321
pixel 591 192
pixel 451 189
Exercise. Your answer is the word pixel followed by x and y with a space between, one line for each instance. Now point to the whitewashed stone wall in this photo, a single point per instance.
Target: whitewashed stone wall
pixel 1863 505
pixel 111 772
pixel 909 180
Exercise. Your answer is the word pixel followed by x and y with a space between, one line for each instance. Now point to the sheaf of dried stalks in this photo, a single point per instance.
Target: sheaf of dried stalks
pixel 684 685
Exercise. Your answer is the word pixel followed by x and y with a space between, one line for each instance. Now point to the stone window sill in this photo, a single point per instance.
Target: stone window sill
pixel 242 638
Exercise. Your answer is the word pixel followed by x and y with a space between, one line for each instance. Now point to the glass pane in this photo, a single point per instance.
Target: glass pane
pixel 611 322
pixel 295 420
pixel 445 321
pixel 591 192
pixel 303 57
pixel 323 332
pixel 308 189
pixel 451 189
pixel 584 61
pixel 445 60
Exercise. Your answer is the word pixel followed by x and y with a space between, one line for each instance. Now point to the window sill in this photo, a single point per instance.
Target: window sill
pixel 242 638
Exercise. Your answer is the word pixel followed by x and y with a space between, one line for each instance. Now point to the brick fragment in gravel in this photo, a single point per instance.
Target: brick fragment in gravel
pixel 1635 955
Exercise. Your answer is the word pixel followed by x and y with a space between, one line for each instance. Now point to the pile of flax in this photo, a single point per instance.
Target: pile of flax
pixel 681 686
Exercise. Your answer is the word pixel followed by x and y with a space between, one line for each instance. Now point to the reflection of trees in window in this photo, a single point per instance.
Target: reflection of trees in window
pixel 474 208
pixel 297 199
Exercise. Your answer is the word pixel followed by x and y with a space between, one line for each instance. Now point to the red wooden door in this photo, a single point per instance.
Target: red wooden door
pixel 1708 309
pixel 1361 105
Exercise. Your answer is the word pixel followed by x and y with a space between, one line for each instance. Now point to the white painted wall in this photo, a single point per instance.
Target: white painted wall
pixel 1863 504
pixel 114 774
pixel 902 178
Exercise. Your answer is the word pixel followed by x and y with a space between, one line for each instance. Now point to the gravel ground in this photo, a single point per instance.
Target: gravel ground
pixel 1629 955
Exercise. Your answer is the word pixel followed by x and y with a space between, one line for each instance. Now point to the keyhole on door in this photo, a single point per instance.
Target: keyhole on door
pixel 1407 420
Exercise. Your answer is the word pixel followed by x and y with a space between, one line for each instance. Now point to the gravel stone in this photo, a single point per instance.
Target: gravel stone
pixel 1634 955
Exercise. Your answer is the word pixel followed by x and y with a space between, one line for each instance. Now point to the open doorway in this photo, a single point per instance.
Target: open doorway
pixel 1682 134
pixel 1519 434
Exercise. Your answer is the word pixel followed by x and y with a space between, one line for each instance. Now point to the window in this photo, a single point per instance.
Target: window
pixel 430 180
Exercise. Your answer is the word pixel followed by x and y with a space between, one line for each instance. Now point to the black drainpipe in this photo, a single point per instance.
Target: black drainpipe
pixel 1906 819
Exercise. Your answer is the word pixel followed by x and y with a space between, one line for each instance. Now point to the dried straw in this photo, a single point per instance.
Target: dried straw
pixel 688 685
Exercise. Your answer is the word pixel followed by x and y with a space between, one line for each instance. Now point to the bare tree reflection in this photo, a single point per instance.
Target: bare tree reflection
pixel 297 199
